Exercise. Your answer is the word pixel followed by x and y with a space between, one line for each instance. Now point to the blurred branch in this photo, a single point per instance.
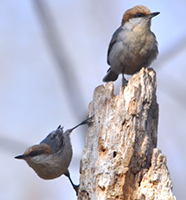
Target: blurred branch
pixel 173 50
pixel 170 85
pixel 174 88
pixel 11 145
pixel 63 60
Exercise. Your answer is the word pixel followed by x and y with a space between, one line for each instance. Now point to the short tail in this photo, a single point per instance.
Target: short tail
pixel 110 76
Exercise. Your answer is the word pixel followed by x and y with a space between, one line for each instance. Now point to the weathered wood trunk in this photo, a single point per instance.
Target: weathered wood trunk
pixel 120 159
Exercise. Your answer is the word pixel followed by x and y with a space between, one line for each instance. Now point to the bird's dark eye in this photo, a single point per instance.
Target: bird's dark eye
pixel 34 153
pixel 140 15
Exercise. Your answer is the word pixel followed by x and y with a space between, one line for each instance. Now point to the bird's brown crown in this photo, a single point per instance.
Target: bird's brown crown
pixel 38 149
pixel 137 11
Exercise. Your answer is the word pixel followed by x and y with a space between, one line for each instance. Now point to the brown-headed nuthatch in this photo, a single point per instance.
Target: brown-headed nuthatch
pixel 133 44
pixel 51 158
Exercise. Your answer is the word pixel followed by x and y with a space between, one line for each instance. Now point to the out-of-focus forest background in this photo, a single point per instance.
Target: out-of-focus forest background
pixel 52 56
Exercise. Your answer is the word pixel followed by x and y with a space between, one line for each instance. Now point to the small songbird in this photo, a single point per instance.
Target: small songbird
pixel 51 158
pixel 133 44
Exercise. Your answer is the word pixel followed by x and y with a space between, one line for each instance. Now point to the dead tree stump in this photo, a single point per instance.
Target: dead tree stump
pixel 120 159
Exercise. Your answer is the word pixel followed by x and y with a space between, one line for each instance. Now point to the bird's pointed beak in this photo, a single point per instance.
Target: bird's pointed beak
pixel 20 157
pixel 153 14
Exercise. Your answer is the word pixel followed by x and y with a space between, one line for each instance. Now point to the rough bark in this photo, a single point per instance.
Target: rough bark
pixel 120 159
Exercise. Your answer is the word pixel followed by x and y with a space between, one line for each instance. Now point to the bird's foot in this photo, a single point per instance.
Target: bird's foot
pixel 124 82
